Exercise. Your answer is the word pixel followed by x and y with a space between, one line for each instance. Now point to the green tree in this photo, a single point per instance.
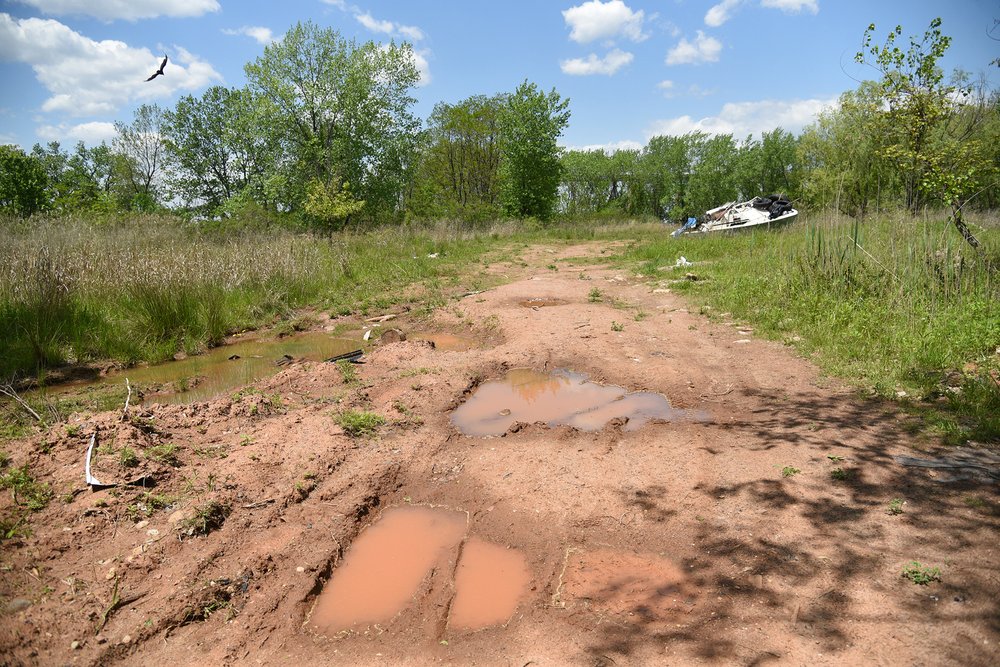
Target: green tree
pixel 22 182
pixel 713 174
pixel 343 110
pixel 842 156
pixel 459 166
pixel 531 124
pixel 219 147
pixel 331 204
pixel 937 162
pixel 141 149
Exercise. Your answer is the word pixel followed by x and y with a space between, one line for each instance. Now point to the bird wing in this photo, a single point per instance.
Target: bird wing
pixel 155 74
pixel 163 64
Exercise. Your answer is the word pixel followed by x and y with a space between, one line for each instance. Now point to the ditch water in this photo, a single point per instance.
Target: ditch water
pixel 560 397
pixel 385 567
pixel 221 369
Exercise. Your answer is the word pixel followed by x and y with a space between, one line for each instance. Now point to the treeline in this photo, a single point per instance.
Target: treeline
pixel 324 134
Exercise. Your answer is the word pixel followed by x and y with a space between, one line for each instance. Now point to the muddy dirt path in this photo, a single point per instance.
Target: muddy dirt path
pixel 751 528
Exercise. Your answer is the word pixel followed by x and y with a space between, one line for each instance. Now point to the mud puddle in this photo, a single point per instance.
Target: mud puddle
pixel 219 370
pixel 489 583
pixel 447 342
pixel 560 397
pixel 388 565
pixel 385 566
pixel 543 302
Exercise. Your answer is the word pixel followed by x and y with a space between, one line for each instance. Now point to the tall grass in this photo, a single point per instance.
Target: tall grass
pixel 148 287
pixel 903 307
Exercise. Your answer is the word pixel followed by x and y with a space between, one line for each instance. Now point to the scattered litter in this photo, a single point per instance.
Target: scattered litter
pixel 432 255
pixel 742 341
pixel 353 356
pixel 683 261
pixel 381 318
pixel 368 335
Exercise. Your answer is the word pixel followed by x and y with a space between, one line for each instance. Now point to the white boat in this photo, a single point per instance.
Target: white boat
pixel 757 212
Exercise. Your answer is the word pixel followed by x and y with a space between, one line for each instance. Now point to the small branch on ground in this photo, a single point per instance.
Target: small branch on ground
pixel 8 390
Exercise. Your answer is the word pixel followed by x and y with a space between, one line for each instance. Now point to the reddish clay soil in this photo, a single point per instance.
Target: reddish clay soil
pixel 679 542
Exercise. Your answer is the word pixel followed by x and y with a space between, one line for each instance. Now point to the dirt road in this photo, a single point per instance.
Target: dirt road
pixel 753 528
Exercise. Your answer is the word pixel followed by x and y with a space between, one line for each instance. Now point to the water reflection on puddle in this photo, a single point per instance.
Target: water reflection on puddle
pixel 207 375
pixel 388 563
pixel 560 397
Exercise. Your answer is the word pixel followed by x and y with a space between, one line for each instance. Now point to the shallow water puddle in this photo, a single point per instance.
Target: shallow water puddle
pixel 542 302
pixel 447 342
pixel 561 397
pixel 489 583
pixel 384 567
pixel 207 375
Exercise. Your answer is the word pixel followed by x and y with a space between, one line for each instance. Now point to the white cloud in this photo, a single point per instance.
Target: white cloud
pixel 609 148
pixel 391 28
pixel 720 13
pixel 129 10
pixel 743 118
pixel 704 49
pixel 666 84
pixel 86 77
pixel 609 64
pixel 8 140
pixel 604 20
pixel 792 6
pixel 423 67
pixel 261 34
pixel 89 133
pixel 339 4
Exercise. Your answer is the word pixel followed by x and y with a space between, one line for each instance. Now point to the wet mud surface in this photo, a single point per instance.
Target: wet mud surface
pixel 620 539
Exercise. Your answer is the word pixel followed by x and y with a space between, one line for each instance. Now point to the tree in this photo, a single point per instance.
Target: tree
pixel 140 145
pixel 460 162
pixel 22 182
pixel 220 146
pixel 843 156
pixel 331 204
pixel 938 163
pixel 531 123
pixel 344 111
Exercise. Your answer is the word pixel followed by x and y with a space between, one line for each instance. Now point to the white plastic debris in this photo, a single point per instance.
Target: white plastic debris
pixel 682 261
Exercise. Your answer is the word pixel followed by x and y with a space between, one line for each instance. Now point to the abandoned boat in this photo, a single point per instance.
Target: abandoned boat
pixel 757 212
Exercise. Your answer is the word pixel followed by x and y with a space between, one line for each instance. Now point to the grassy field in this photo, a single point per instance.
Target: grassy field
pixel 900 307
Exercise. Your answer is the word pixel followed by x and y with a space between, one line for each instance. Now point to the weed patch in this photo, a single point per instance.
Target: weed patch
pixel 359 423
pixel 921 574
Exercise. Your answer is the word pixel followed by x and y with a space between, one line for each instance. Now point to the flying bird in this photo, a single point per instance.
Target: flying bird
pixel 159 71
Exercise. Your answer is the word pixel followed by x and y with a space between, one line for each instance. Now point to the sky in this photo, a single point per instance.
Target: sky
pixel 632 69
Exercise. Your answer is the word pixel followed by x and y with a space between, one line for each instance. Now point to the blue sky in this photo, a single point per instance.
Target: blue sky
pixel 631 68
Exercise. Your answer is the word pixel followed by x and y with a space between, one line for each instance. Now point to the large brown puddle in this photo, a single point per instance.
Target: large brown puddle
pixel 221 369
pixel 561 397
pixel 387 565
pixel 489 583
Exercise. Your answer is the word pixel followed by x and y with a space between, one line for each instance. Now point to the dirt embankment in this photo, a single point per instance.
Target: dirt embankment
pixel 757 530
